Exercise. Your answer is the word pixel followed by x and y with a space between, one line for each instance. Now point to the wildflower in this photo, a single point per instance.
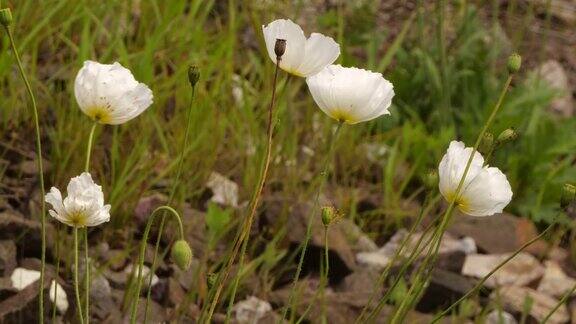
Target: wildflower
pixel 301 57
pixel 84 205
pixel 485 190
pixel 109 94
pixel 351 95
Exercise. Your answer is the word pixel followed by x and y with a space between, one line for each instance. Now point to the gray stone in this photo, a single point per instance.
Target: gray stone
pixel 513 298
pixel 520 271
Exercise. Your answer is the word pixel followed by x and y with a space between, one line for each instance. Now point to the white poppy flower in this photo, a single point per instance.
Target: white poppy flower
pixel 302 57
pixel 485 190
pixel 109 94
pixel 84 205
pixel 351 95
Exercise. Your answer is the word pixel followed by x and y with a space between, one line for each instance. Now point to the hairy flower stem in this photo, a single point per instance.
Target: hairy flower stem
pixel 439 233
pixel 322 180
pixel 76 283
pixel 479 285
pixel 170 199
pixel 397 254
pixel 560 303
pixel 54 308
pixel 40 168
pixel 165 210
pixel 86 254
pixel 324 278
pixel 245 228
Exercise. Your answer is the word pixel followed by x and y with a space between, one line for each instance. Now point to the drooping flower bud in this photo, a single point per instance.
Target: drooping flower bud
pixel 568 195
pixel 486 143
pixel 514 63
pixel 5 16
pixel 329 214
pixel 193 75
pixel 430 179
pixel 279 47
pixel 181 254
pixel 507 135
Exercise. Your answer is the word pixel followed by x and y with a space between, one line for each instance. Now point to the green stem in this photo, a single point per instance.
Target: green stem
pixel 479 285
pixel 170 198
pixel 245 229
pixel 76 270
pixel 323 176
pixel 89 147
pixel 54 308
pixel 40 167
pixel 143 243
pixel 324 280
pixel 86 254
pixel 562 301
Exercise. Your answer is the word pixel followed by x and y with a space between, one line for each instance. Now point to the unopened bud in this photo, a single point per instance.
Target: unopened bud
pixel 181 254
pixel 193 75
pixel 431 180
pixel 280 47
pixel 507 135
pixel 5 16
pixel 486 143
pixel 328 215
pixel 514 63
pixel 212 280
pixel 568 195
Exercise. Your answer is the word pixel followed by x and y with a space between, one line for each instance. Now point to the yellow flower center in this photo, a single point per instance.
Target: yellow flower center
pixel 343 116
pixel 460 202
pixel 77 219
pixel 99 114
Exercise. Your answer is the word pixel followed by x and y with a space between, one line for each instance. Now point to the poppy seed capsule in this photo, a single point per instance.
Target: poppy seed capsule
pixel 5 16
pixel 568 195
pixel 507 135
pixel 514 63
pixel 279 47
pixel 193 75
pixel 181 254
pixel 328 215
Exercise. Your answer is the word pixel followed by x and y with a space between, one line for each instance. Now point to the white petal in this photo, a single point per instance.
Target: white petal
pixel 320 51
pixel 109 93
pixel 54 198
pixel 452 167
pixel 100 216
pixel 79 184
pixel 295 43
pixel 351 95
pixel 487 194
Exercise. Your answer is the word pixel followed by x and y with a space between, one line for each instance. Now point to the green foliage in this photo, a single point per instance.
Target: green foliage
pixel 217 223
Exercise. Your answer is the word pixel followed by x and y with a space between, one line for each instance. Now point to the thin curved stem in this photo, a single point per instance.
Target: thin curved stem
pixel 170 198
pixel 40 167
pixel 143 243
pixel 323 176
pixel 54 308
pixel 487 276
pixel 560 302
pixel 245 229
pixel 89 147
pixel 76 283
pixel 324 280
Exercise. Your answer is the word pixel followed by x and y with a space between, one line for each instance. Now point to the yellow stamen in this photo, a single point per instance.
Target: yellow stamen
pixel 342 115
pixel 99 114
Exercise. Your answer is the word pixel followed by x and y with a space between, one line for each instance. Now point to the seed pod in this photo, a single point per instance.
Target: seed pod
pixel 507 135
pixel 486 143
pixel 193 75
pixel 5 16
pixel 568 195
pixel 328 215
pixel 280 47
pixel 181 254
pixel 514 63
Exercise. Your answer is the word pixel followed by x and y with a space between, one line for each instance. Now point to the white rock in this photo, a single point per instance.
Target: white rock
pixel 514 298
pixel 225 191
pixel 554 74
pixel 500 317
pixel 59 297
pixel 520 271
pixel 22 278
pixel 251 310
pixel 379 259
pixel 555 282
pixel 145 275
